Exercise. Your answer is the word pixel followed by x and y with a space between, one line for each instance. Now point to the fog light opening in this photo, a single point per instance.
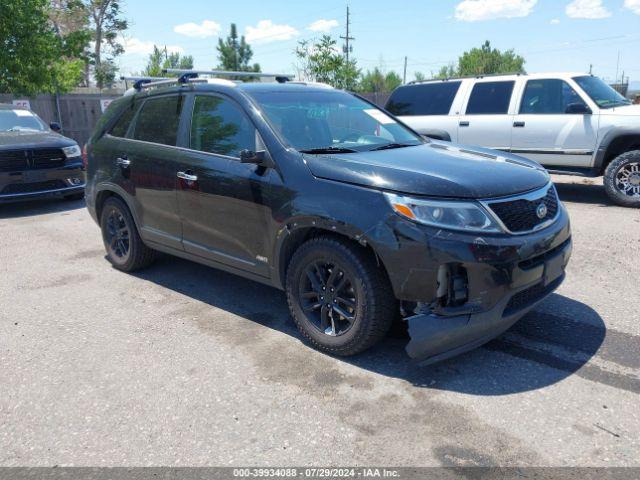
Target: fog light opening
pixel 453 285
pixel 74 181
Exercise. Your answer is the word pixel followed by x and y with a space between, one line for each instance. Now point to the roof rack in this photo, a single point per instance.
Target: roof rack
pixel 138 82
pixel 280 77
pixel 483 75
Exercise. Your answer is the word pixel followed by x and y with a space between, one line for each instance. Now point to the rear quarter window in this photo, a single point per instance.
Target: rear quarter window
pixel 121 126
pixel 423 99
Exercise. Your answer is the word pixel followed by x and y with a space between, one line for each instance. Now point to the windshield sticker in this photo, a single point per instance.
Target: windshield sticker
pixel 381 117
pixel 23 113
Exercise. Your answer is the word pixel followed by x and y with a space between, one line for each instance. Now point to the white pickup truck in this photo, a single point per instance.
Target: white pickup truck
pixel 572 123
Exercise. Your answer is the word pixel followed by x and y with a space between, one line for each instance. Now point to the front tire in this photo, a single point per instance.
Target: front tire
pixel 125 249
pixel 340 300
pixel 622 179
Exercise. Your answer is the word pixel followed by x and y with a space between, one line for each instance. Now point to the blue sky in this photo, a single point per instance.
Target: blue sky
pixel 553 35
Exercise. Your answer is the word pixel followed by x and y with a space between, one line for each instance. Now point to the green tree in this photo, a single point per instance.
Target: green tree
pixel 375 81
pixel 235 54
pixel 420 77
pixel 484 61
pixel 321 62
pixel 107 25
pixel 160 60
pixel 34 57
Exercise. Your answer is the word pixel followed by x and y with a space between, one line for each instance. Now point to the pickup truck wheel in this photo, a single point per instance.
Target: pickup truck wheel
pixel 622 179
pixel 340 300
pixel 125 249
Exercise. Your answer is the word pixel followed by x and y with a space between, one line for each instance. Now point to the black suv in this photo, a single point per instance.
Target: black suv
pixel 35 160
pixel 322 194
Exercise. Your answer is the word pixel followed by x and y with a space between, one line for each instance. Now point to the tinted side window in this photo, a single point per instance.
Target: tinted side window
pixel 121 127
pixel 551 96
pixel 423 99
pixel 158 120
pixel 490 98
pixel 220 126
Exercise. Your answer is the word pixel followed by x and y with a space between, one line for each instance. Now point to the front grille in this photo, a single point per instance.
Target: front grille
pixel 33 159
pixel 519 215
pixel 13 161
pixel 35 187
pixel 530 296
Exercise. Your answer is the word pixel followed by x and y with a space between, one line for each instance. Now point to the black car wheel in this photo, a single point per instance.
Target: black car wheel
pixel 125 249
pixel 622 179
pixel 339 298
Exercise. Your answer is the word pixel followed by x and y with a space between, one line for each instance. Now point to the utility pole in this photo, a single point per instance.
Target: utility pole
pixel 347 38
pixel 404 75
pixel 617 67
pixel 591 69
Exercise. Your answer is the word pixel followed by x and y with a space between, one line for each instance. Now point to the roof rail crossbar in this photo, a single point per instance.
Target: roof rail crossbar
pixel 280 77
pixel 138 82
pixel 464 77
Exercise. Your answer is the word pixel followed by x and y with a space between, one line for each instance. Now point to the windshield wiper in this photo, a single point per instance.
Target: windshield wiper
pixel 321 150
pixel 388 146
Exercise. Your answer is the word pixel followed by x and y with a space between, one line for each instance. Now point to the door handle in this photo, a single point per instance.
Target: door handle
pixel 187 176
pixel 518 124
pixel 123 162
pixel 464 123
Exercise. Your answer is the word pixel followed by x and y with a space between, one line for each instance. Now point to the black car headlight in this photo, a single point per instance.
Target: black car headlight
pixel 72 151
pixel 466 216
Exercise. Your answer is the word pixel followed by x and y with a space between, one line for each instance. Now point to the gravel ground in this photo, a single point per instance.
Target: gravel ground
pixel 186 365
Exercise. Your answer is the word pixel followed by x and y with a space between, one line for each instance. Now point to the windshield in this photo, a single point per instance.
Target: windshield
pixel 330 121
pixel 601 93
pixel 19 120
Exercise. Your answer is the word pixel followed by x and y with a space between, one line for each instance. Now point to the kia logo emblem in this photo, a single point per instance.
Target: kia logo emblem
pixel 541 211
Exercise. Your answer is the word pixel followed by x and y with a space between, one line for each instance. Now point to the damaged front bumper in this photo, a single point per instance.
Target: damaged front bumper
pixel 494 281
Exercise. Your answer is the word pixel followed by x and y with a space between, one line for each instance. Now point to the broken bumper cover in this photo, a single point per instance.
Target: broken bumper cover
pixel 502 290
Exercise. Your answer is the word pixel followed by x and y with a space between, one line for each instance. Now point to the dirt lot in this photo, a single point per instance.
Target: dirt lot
pixel 186 365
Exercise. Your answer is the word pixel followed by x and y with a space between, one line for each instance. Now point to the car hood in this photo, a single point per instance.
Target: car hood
pixel 625 110
pixel 435 169
pixel 13 140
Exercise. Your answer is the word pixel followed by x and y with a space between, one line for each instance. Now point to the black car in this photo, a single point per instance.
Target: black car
pixel 36 161
pixel 322 194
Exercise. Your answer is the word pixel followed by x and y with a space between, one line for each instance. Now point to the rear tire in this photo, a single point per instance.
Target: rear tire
pixel 340 300
pixel 125 249
pixel 622 179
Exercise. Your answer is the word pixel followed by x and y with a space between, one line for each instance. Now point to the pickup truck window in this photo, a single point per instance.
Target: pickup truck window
pixel 423 99
pixel 490 98
pixel 548 96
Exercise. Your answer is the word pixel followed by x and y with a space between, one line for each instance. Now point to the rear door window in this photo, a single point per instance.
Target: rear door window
pixel 221 126
pixel 159 119
pixel 423 99
pixel 490 98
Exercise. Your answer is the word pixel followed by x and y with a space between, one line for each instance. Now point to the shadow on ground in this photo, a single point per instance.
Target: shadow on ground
pixel 578 192
pixel 541 349
pixel 31 208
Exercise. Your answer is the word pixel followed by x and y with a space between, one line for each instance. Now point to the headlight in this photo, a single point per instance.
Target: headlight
pixel 453 215
pixel 73 151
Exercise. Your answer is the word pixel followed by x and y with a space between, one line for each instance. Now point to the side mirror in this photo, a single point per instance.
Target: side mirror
pixel 261 158
pixel 578 108
pixel 55 126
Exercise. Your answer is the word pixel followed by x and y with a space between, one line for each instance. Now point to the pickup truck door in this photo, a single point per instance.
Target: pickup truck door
pixel 554 125
pixel 487 120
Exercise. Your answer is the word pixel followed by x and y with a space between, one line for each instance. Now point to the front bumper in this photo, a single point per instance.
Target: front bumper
pixel 53 182
pixel 504 277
